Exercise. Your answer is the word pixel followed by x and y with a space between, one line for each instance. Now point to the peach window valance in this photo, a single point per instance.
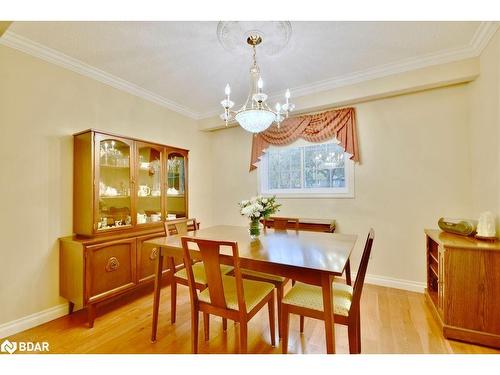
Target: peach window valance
pixel 318 127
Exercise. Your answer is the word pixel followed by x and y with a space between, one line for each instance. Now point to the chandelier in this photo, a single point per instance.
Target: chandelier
pixel 255 115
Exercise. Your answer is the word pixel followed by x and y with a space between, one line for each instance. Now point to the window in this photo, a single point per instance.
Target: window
pixel 307 169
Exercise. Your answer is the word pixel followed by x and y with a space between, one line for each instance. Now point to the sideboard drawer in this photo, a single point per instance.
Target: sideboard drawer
pixel 110 268
pixel 147 256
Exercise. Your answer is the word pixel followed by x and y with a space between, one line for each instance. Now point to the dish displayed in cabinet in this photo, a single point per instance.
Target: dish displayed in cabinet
pixel 124 183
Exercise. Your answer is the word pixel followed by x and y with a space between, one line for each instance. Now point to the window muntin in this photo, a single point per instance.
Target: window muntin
pixel 307 169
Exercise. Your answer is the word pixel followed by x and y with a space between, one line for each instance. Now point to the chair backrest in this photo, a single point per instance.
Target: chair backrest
pixel 210 255
pixel 181 226
pixel 281 223
pixel 360 277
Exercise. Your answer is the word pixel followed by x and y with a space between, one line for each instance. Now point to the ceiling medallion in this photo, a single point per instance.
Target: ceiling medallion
pixel 255 115
pixel 276 33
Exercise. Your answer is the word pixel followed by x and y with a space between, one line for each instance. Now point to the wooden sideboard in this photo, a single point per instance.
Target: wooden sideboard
pixel 123 190
pixel 463 286
pixel 314 225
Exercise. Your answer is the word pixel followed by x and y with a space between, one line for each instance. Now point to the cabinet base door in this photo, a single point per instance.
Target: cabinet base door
pixel 147 256
pixel 110 268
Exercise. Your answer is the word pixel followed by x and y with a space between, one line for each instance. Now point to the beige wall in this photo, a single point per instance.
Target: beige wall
pixel 41 105
pixel 415 168
pixel 485 132
pixel 424 155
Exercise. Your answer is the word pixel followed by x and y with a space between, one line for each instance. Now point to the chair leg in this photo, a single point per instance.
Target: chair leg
pixel 243 337
pixel 224 324
pixel 272 323
pixel 194 331
pixel 173 301
pixel 358 332
pixel 351 332
pixel 206 326
pixel 285 322
pixel 279 295
pixel 302 324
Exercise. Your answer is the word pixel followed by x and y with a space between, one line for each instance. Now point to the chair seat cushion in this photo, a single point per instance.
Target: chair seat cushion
pixel 199 272
pixel 254 291
pixel 262 275
pixel 311 297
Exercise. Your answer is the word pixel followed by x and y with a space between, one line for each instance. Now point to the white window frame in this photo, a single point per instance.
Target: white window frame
pixel 335 192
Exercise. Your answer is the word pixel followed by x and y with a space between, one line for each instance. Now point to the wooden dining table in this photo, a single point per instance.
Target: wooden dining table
pixel 310 257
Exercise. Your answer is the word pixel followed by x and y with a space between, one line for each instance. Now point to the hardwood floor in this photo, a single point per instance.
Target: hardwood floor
pixel 392 321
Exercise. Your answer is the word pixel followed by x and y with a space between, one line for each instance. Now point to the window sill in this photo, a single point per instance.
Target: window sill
pixel 310 195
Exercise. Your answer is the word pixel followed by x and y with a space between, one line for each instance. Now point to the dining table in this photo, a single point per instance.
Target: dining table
pixel 310 257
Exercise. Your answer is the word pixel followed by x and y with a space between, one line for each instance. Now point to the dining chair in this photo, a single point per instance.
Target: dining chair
pixel 181 227
pixel 281 223
pixel 307 300
pixel 279 282
pixel 226 296
pixel 180 276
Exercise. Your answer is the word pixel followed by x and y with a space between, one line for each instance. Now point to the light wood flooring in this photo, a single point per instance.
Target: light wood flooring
pixel 392 321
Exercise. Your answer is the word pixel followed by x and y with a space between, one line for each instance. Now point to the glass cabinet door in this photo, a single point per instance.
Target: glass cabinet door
pixel 114 172
pixel 176 181
pixel 149 183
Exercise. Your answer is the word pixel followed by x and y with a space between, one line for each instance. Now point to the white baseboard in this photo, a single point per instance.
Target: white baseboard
pixel 33 320
pixel 413 286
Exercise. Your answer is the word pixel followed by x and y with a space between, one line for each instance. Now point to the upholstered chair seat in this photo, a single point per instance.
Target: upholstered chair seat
pixel 254 292
pixel 311 297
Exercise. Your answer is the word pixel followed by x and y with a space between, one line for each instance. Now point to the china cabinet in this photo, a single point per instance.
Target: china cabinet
pixel 125 184
pixel 123 190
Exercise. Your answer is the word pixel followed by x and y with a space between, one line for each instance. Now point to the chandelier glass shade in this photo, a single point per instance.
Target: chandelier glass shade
pixel 255 120
pixel 255 115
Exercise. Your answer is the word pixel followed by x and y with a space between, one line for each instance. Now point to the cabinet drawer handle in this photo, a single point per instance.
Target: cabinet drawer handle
pixel 154 253
pixel 113 264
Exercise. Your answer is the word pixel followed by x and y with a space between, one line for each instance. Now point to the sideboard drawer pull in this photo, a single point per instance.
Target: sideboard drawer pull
pixel 154 253
pixel 112 265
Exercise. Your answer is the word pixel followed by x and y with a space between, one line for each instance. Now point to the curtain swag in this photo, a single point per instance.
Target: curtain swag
pixel 318 127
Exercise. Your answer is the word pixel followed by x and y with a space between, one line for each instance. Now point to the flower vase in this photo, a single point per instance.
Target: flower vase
pixel 254 228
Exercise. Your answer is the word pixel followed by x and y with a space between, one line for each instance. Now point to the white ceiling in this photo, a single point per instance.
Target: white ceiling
pixel 184 65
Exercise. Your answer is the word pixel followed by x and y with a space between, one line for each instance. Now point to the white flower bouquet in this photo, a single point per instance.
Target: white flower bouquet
pixel 258 208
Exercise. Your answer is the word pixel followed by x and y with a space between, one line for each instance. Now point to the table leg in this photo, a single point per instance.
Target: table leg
pixel 348 272
pixel 156 294
pixel 326 284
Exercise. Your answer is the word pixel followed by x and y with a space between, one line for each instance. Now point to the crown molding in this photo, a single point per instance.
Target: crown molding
pixel 32 48
pixel 482 36
pixel 479 41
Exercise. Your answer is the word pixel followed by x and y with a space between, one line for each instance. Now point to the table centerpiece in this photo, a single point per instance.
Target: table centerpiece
pixel 258 208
